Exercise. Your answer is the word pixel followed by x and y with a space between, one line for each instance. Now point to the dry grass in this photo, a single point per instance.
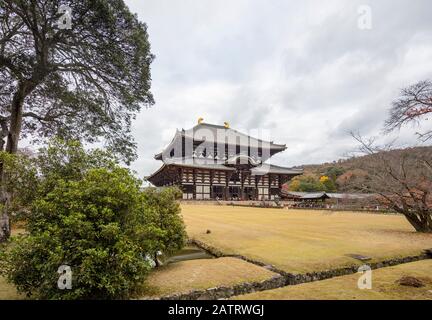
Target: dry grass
pixel 384 286
pixel 296 241
pixel 299 241
pixel 190 275
pixel 17 231
pixel 8 291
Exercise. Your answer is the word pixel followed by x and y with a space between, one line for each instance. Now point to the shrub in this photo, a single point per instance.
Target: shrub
pixel 82 225
pixel 164 229
pixel 99 222
pixel 30 177
pixel 19 184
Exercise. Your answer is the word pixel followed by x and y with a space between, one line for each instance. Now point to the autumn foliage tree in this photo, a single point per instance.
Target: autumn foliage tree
pixel 311 183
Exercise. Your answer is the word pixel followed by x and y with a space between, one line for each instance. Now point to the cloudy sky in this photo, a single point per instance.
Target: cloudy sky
pixel 304 70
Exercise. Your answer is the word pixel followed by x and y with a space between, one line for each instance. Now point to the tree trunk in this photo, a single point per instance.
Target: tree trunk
pixel 4 224
pixel 4 202
pixel 11 147
pixel 419 226
pixel 16 119
pixel 157 264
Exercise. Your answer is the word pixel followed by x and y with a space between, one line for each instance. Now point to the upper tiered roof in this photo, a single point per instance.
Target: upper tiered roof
pixel 206 132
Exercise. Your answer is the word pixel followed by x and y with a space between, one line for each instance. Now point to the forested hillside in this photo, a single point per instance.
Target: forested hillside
pixel 344 175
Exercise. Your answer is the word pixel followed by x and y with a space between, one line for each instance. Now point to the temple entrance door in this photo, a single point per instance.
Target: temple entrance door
pixel 218 192
pixel 234 193
pixel 249 193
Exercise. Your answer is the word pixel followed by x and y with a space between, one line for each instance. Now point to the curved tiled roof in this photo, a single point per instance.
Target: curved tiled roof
pixel 270 168
pixel 219 134
pixel 317 195
pixel 228 133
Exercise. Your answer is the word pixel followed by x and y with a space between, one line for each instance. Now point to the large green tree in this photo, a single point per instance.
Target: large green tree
pixel 76 69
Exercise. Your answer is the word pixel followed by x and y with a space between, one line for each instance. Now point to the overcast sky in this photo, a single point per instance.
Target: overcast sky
pixel 304 70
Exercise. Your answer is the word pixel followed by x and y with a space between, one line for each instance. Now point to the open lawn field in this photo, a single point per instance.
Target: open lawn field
pixel 7 291
pixel 296 241
pixel 184 276
pixel 384 286
pixel 299 241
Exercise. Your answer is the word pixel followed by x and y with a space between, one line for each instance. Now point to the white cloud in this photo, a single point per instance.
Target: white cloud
pixel 300 69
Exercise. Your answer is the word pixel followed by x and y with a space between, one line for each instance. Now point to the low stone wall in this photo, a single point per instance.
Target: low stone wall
pixel 280 280
pixel 282 204
pixel 248 203
pixel 217 253
pixel 224 292
pixel 201 202
pixel 292 279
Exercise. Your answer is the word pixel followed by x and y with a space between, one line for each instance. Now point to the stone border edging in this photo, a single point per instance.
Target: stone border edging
pixel 293 279
pixel 219 254
pixel 224 292
pixel 280 280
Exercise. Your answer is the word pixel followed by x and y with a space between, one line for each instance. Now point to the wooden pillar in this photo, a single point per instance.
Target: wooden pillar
pixel 279 186
pixel 245 175
pixel 241 174
pixel 269 185
pixel 227 177
pixel 177 178
pixel 211 183
pixel 256 187
pixel 194 183
pixel 257 180
pixel 227 180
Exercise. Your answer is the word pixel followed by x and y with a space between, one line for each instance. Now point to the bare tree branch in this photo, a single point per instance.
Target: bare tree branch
pixel 402 178
pixel 414 103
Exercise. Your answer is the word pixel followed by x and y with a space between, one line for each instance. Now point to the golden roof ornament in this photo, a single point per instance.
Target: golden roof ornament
pixel 226 125
pixel 200 120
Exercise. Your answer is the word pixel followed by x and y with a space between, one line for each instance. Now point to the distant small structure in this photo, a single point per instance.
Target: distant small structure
pixel 304 196
pixel 301 196
pixel 331 200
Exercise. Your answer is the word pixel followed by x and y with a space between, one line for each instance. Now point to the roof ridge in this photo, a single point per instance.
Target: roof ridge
pixel 236 131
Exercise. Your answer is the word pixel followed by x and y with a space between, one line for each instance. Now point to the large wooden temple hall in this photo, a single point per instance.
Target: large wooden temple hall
pixel 216 162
